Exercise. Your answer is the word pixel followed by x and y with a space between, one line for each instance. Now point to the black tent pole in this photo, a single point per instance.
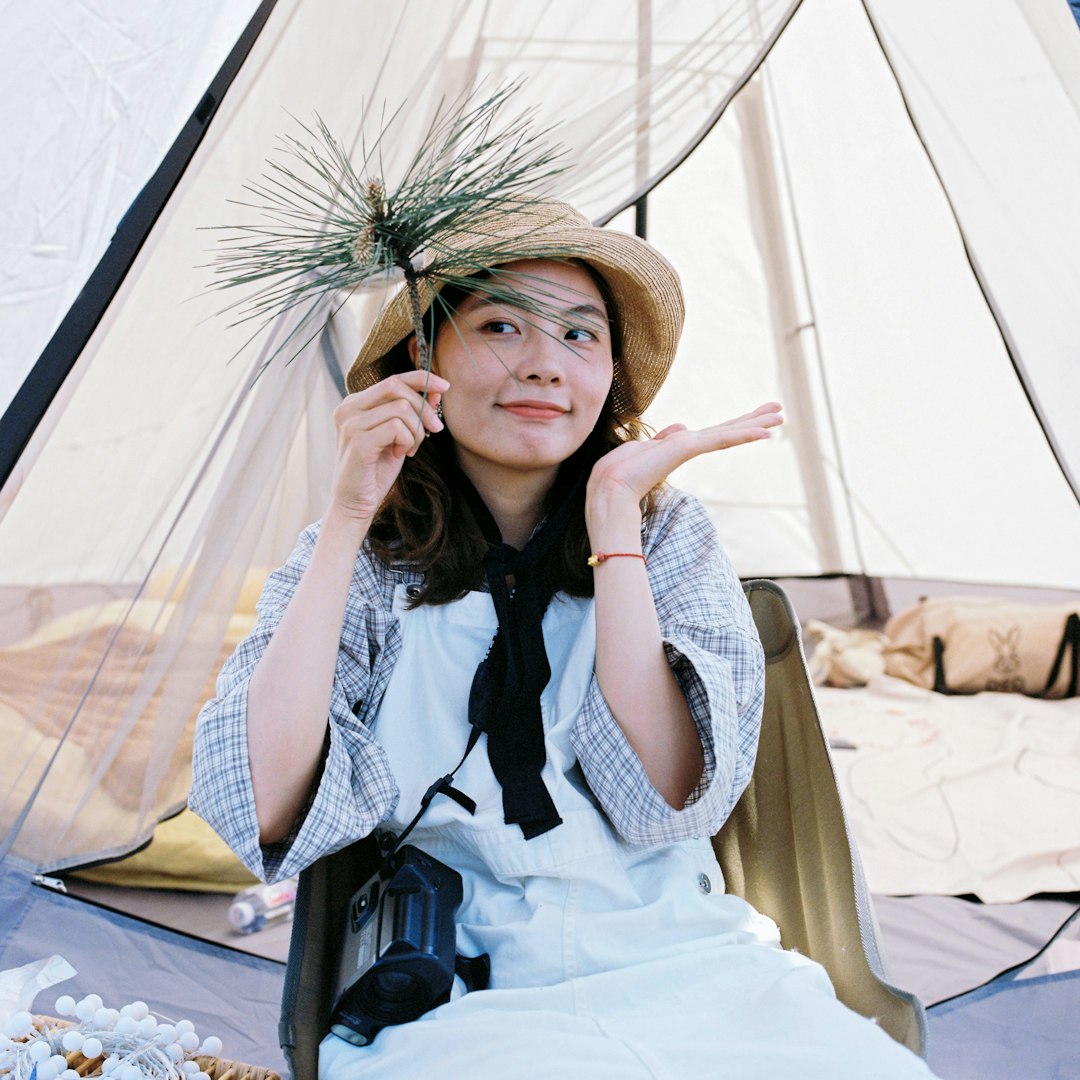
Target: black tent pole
pixel 55 363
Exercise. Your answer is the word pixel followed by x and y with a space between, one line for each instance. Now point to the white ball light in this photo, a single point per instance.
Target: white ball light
pixel 148 1027
pixel 109 1064
pixel 174 1052
pixel 139 1009
pixel 19 1025
pixel 46 1070
pixel 92 1047
pixel 65 1005
pixel 85 1010
pixel 126 1025
pixel 165 1034
pixel 102 1018
pixel 58 1062
pixel 211 1045
pixel 188 1041
pixel 73 1041
pixel 190 1067
pixel 201 1076
pixel 39 1051
pixel 130 1072
pixel 184 1025
pixel 70 1074
pixel 95 999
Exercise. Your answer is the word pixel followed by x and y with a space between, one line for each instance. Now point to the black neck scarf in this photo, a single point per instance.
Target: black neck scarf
pixel 504 700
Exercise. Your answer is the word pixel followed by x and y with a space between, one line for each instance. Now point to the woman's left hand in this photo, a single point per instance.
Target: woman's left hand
pixel 630 471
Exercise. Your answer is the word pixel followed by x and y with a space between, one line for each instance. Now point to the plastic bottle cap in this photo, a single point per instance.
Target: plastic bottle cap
pixel 241 913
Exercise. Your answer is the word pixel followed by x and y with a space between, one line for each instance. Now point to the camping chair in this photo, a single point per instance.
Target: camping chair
pixel 786 849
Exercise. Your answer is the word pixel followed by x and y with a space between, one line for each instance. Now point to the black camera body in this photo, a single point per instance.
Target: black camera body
pixel 399 957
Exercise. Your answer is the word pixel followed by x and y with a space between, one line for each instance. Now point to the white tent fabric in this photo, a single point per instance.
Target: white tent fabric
pixel 823 263
pixel 934 465
pixel 92 93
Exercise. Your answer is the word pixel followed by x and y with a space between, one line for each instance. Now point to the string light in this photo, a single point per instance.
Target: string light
pixel 129 1043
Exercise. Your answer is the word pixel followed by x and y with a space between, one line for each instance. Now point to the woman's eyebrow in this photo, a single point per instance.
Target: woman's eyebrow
pixel 588 309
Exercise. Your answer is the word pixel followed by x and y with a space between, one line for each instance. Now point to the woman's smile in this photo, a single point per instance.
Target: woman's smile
pixel 534 410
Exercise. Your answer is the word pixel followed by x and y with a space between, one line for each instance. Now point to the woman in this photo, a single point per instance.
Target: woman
pixel 620 695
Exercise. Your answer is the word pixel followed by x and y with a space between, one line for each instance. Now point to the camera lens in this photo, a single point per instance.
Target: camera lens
pixel 393 996
pixel 395 986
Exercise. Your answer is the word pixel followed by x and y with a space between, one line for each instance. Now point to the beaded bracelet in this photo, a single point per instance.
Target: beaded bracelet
pixel 603 556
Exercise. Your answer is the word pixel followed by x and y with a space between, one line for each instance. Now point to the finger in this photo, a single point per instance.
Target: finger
pixel 375 427
pixel 420 379
pixel 720 437
pixel 421 384
pixel 669 430
pixel 769 414
pixel 397 388
pixel 770 408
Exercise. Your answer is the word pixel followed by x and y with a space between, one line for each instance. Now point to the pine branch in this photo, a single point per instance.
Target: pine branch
pixel 327 224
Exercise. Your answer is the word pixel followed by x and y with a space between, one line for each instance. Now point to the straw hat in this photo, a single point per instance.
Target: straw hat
pixel 643 285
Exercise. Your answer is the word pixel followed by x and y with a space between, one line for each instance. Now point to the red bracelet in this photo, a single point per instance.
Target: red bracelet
pixel 603 556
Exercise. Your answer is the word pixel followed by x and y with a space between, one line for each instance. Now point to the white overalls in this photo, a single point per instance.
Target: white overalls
pixel 607 960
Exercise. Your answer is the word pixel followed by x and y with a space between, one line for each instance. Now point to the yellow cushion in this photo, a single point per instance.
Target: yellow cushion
pixel 184 853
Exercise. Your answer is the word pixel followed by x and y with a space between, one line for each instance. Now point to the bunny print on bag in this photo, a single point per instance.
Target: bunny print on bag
pixel 1006 661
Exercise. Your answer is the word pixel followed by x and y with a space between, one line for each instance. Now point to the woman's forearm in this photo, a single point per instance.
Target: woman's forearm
pixel 631 666
pixel 290 688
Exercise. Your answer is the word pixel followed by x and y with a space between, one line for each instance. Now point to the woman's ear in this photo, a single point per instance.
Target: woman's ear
pixel 414 350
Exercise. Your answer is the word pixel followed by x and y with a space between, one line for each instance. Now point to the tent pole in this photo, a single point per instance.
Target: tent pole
pixel 767 218
pixel 868 600
pixel 644 114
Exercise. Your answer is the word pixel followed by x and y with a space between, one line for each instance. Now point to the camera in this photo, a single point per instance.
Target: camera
pixel 400 952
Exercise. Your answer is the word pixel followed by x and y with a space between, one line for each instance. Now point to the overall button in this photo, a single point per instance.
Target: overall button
pixel 414 591
pixel 703 883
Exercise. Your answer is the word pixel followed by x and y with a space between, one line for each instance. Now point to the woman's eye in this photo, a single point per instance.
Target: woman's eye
pixel 578 334
pixel 500 326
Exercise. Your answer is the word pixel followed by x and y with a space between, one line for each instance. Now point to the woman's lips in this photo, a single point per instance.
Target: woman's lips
pixel 534 410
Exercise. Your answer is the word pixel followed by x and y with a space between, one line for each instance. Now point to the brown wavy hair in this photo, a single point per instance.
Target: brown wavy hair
pixel 425 522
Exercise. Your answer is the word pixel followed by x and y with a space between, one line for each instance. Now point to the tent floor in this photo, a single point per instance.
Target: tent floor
pixel 202 915
pixel 936 946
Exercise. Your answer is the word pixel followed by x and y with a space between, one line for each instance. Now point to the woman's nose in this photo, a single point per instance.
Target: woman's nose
pixel 545 361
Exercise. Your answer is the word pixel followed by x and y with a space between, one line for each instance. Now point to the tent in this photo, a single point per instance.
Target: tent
pixel 869 204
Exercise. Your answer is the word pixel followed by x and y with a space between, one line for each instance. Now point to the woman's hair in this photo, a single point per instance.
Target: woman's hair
pixel 424 521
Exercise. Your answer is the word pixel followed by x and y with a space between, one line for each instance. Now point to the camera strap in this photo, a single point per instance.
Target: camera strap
pixel 443 786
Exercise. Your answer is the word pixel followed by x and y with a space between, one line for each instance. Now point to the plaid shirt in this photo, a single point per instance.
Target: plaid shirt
pixel 710 641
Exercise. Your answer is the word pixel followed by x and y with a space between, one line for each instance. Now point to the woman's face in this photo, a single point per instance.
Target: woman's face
pixel 526 389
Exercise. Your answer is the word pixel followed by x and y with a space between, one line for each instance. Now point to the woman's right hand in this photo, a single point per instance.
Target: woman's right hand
pixel 377 429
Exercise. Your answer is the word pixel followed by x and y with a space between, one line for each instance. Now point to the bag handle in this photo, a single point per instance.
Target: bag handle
pixel 1070 642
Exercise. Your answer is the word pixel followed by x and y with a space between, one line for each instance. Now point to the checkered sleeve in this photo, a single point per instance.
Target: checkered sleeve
pixel 356 788
pixel 714 651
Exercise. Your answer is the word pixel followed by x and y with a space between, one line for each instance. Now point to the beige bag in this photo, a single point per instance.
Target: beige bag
pixel 962 645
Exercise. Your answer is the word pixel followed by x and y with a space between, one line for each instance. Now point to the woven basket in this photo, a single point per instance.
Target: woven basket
pixel 214 1067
